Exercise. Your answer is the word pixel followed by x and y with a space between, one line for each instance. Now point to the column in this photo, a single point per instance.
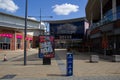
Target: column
pixel 101 7
pixel 91 21
pixel 15 40
pixel 114 10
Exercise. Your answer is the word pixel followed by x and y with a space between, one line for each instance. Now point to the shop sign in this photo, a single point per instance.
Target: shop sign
pixel 6 35
pixel 19 36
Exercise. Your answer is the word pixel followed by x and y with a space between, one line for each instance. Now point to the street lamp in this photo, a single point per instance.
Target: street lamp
pixel 41 18
pixel 41 25
pixel 25 31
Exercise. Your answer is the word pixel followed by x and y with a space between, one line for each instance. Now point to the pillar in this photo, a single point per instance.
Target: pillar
pixel 114 10
pixel 15 40
pixel 101 7
pixel 91 21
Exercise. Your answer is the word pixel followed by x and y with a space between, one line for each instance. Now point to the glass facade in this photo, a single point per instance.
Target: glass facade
pixel 118 12
pixel 108 17
pixel 72 30
pixel 68 34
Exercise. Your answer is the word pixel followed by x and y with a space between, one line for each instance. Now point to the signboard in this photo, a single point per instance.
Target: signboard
pixel 46 47
pixel 69 64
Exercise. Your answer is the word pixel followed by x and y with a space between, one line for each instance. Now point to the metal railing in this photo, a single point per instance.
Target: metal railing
pixel 107 19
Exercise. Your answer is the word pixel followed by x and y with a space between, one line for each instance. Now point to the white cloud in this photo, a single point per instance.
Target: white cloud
pixel 8 5
pixel 65 9
pixel 33 18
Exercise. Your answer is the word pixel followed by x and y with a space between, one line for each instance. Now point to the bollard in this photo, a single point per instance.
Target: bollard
pixel 69 64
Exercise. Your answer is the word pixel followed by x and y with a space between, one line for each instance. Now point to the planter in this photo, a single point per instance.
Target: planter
pixel 116 58
pixel 94 58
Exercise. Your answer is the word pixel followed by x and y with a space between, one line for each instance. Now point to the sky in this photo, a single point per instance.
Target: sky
pixel 59 9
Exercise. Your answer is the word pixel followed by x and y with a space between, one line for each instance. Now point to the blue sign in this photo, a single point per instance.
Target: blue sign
pixel 69 64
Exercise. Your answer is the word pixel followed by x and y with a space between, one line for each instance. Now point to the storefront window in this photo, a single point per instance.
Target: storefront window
pixel 4 43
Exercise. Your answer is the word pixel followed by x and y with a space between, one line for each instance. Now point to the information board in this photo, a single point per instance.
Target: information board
pixel 46 47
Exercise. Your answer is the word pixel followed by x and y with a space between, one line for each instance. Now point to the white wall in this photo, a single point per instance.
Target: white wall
pixel 17 20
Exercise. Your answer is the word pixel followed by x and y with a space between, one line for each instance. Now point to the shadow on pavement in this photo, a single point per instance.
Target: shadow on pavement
pixel 34 64
pixel 63 75
pixel 33 57
pixel 61 55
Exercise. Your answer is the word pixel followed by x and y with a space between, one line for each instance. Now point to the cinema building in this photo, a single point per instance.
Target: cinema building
pixel 69 33
pixel 104 19
pixel 12 32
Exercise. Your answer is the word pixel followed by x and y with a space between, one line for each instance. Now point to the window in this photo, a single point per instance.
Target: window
pixel 4 43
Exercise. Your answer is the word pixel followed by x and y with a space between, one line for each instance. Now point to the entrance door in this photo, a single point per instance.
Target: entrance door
pixel 18 43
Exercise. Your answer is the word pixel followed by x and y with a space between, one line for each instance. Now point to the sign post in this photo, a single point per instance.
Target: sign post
pixel 69 64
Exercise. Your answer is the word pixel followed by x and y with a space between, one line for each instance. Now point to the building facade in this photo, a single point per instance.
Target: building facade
pixel 12 32
pixel 104 19
pixel 68 33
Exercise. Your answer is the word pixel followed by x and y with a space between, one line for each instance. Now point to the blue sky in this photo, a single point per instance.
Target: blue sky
pixel 59 9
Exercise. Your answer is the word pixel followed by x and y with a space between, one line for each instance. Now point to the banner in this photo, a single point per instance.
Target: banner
pixel 46 46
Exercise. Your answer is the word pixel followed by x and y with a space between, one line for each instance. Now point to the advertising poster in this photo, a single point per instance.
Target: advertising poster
pixel 46 47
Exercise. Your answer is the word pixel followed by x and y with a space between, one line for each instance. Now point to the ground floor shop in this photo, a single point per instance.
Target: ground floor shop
pixel 106 38
pixel 74 44
pixel 14 40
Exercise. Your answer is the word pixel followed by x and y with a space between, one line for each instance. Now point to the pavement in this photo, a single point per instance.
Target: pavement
pixel 13 68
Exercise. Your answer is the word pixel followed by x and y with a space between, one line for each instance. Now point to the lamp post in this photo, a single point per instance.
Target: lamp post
pixel 25 31
pixel 40 30
pixel 41 18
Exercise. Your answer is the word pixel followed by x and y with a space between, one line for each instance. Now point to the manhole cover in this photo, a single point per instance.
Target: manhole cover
pixel 8 76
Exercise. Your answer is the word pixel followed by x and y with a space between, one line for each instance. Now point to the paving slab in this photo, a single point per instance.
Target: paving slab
pixel 35 70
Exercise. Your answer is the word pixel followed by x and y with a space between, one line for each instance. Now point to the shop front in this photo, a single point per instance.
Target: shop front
pixel 5 40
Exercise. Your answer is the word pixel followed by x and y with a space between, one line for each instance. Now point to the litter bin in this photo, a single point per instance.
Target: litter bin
pixel 69 64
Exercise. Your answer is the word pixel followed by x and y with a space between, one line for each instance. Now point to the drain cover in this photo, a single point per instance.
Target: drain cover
pixel 8 76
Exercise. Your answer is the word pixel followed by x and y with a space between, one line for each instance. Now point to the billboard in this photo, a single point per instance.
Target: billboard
pixel 46 47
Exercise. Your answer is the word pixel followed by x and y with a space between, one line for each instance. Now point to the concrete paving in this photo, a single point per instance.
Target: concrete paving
pixel 13 69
